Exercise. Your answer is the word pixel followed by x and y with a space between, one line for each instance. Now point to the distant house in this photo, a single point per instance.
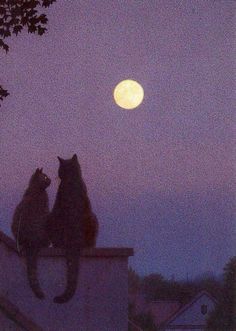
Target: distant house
pixel 192 316
pixel 171 315
pixel 161 310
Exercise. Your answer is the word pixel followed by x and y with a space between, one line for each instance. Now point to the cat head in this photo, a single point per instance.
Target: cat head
pixel 40 179
pixel 69 168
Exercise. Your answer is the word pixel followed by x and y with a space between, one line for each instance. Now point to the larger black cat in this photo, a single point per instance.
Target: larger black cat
pixel 72 225
pixel 29 225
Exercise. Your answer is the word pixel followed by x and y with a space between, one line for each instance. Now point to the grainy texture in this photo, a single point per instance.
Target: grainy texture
pixel 100 301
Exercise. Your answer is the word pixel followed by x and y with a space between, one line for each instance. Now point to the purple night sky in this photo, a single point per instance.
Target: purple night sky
pixel 160 177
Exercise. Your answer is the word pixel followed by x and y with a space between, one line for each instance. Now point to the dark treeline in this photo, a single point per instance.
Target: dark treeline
pixel 155 287
pixel 224 316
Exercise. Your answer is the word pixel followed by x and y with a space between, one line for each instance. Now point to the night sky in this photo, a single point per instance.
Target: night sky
pixel 160 177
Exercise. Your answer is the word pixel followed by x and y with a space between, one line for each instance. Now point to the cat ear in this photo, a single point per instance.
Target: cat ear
pixel 37 171
pixel 74 158
pixel 41 170
pixel 60 159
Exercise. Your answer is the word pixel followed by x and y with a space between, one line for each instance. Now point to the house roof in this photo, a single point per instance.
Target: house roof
pixel 188 305
pixel 161 310
pixel 13 313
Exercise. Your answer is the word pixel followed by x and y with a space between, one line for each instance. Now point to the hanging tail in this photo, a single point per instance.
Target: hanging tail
pixel 31 259
pixel 72 260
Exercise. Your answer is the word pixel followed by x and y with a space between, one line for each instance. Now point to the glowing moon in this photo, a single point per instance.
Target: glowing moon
pixel 128 94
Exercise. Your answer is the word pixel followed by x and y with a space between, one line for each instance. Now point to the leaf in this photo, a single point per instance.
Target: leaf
pixel 24 20
pixel 14 21
pixel 41 30
pixel 2 10
pixel 34 3
pixel 3 94
pixel 43 19
pixel 31 12
pixel 7 33
pixel 47 3
pixel 4 46
pixel 16 11
pixel 33 20
pixel 17 29
pixel 32 28
pixel 12 2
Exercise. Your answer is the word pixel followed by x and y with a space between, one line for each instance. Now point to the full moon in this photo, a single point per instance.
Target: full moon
pixel 128 94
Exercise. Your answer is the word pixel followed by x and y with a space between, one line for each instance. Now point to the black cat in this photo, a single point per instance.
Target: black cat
pixel 29 225
pixel 72 224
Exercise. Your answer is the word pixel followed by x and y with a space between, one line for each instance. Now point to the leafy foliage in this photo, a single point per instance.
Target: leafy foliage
pixel 134 281
pixel 156 287
pixel 224 316
pixel 16 15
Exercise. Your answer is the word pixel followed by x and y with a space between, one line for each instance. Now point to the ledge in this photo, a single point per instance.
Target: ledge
pixel 57 252
pixel 91 252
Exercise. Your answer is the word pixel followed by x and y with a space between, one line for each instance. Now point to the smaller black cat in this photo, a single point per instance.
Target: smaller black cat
pixel 28 226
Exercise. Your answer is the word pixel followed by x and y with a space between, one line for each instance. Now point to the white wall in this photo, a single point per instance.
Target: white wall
pixel 100 303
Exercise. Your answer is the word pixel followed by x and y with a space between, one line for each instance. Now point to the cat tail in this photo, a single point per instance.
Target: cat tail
pixel 31 261
pixel 73 265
